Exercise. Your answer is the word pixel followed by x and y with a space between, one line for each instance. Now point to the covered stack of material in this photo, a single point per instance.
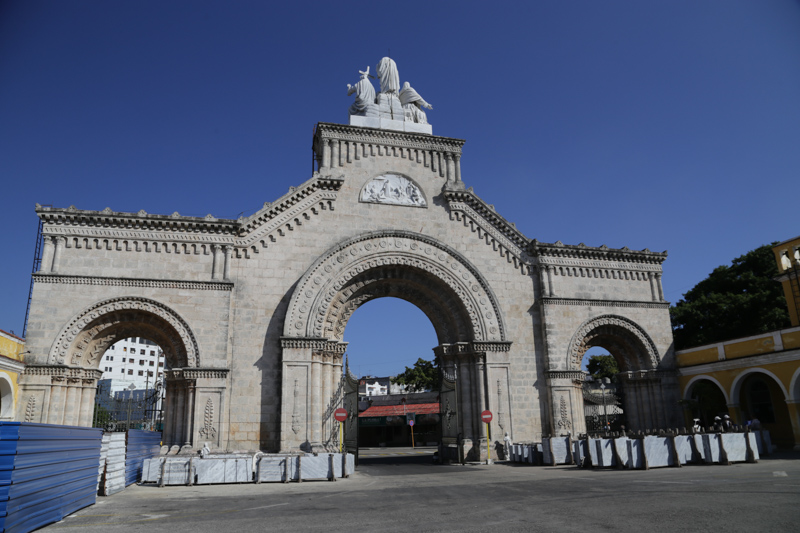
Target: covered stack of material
pixel 46 473
pixel 113 467
pixel 141 445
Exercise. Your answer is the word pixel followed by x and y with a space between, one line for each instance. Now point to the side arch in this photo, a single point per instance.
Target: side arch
pixel 687 389
pixel 85 338
pixel 736 386
pixel 324 297
pixel 634 345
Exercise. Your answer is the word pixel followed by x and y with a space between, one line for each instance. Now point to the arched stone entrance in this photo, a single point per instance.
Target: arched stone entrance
pixel 416 268
pixel 67 384
pixel 645 402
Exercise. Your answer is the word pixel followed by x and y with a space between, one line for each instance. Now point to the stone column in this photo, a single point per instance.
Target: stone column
pixel 481 396
pixel 180 407
pixel 88 390
pixel 551 290
pixel 188 415
pixel 467 424
pixel 226 275
pixel 55 415
pixel 47 255
pixel 169 418
pixel 448 163
pixel 325 163
pixel 335 163
pixel 457 158
pixel 652 279
pixel 660 288
pixel 217 268
pixel 60 242
pixel 316 402
pixel 72 404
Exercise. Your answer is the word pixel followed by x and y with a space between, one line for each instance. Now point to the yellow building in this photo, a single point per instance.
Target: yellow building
pixel 11 353
pixel 754 377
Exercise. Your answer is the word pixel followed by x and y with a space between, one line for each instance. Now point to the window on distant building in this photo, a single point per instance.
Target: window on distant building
pixel 150 373
pixel 152 363
pixel 141 372
pixel 124 348
pixel 130 372
pixel 141 352
pixel 161 363
pixel 122 370
pixel 152 352
pixel 112 357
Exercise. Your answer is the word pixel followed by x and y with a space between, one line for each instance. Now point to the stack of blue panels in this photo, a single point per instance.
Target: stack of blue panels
pixel 46 473
pixel 141 445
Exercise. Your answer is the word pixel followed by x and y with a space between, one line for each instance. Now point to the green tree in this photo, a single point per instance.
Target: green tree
pixel 602 366
pixel 739 300
pixel 423 376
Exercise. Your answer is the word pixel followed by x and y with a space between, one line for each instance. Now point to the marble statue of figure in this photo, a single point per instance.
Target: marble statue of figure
pixel 365 94
pixel 387 73
pixel 413 103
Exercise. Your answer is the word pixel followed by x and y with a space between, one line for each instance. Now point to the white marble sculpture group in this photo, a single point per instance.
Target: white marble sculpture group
pixel 392 103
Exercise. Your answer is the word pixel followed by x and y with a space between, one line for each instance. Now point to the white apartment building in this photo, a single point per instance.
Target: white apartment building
pixel 135 361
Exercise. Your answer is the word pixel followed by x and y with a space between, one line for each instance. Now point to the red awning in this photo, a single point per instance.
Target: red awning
pixel 399 410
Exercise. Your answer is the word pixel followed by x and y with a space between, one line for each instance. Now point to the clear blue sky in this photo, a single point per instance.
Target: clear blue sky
pixel 672 125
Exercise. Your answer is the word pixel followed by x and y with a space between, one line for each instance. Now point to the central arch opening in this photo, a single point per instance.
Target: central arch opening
pixel 390 350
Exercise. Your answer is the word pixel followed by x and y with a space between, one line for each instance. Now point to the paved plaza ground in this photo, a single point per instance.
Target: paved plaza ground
pixel 402 490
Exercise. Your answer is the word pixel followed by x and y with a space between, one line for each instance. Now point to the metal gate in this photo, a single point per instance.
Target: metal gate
pixel 449 447
pixel 129 409
pixel 351 405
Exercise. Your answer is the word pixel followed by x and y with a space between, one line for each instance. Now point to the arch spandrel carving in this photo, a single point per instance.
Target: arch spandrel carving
pixel 320 304
pixel 629 335
pixel 87 335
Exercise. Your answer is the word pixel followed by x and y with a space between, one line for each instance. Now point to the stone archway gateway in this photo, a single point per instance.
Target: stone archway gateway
pixel 252 311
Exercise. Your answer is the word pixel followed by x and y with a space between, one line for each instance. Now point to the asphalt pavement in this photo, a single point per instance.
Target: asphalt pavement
pixel 399 490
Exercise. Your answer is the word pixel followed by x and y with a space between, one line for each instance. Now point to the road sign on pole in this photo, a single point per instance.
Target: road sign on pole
pixel 486 416
pixel 341 415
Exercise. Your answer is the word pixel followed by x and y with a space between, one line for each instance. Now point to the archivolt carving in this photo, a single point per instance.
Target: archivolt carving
pixel 626 335
pixel 90 333
pixel 321 303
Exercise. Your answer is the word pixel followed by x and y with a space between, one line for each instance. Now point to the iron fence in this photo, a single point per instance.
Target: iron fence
pixel 129 409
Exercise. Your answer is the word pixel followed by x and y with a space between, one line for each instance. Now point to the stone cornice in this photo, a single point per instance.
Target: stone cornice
pixel 605 303
pixel 11 365
pixel 502 233
pixel 314 343
pixel 418 141
pixel 108 220
pixel 63 371
pixel 469 348
pixel 572 375
pixel 601 253
pixel 289 208
pixel 134 282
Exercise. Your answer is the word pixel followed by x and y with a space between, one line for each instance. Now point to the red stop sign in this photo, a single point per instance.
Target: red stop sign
pixel 486 416
pixel 340 414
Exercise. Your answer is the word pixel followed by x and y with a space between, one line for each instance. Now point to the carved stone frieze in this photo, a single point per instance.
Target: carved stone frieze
pixel 314 343
pixel 208 431
pixel 316 303
pixel 576 376
pixel 97 327
pixel 605 303
pixel 61 372
pixel 563 252
pixel 417 141
pixel 128 282
pixel 392 189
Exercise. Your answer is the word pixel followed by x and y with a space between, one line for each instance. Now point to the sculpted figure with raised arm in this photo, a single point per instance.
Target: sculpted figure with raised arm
pixel 365 96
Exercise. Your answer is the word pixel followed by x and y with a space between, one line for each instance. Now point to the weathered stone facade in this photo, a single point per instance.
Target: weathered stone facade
pixel 251 312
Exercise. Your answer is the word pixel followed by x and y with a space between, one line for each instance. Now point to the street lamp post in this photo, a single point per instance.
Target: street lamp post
pixel 605 411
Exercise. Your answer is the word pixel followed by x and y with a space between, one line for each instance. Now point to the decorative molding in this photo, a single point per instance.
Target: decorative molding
pixel 84 333
pixel 30 409
pixel 402 191
pixel 321 294
pixel 205 373
pixel 564 420
pixel 617 266
pixel 208 431
pixel 134 282
pixel 605 303
pixel 289 211
pixel 315 344
pixel 601 253
pixel 576 376
pixel 618 324
pixel 416 141
pixel 61 372
pixel 489 226
pixel 296 422
pixel 173 225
